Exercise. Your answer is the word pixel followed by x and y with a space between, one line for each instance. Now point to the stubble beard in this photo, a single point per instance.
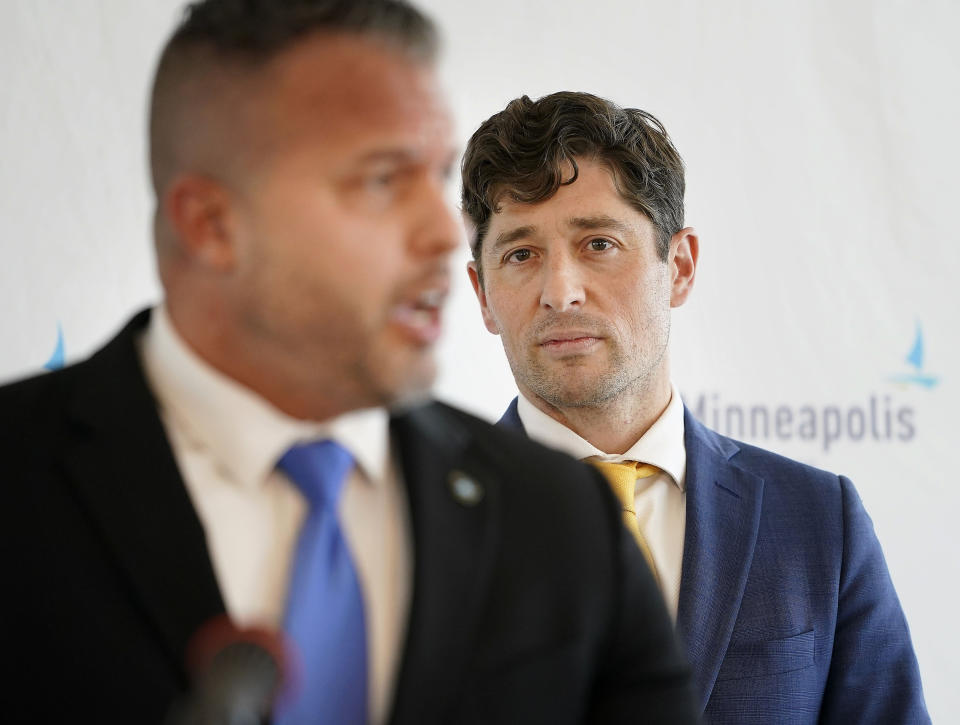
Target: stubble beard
pixel 571 384
pixel 413 389
pixel 567 384
pixel 350 369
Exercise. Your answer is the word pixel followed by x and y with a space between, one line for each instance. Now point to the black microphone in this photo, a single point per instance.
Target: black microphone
pixel 237 675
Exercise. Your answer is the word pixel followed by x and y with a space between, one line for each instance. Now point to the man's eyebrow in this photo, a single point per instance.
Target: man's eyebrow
pixel 388 156
pixel 512 235
pixel 600 221
pixel 402 154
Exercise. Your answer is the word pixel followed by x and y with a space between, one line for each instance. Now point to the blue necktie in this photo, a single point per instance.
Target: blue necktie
pixel 324 616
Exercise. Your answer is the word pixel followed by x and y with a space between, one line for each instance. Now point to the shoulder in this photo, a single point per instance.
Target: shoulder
pixel 36 408
pixel 35 426
pixel 818 507
pixel 774 468
pixel 804 503
pixel 777 467
pixel 34 399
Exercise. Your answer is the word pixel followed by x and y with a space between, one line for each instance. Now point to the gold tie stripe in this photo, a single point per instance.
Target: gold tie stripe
pixel 623 478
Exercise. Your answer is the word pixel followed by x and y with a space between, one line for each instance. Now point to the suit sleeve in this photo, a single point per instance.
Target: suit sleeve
pixel 645 678
pixel 873 675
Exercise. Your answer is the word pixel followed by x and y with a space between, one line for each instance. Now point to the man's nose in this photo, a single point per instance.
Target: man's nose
pixel 440 228
pixel 562 284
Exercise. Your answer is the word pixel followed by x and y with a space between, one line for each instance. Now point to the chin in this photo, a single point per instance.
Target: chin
pixel 411 386
pixel 408 400
pixel 559 395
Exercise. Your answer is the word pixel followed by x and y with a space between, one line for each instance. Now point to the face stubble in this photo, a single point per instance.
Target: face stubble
pixel 625 367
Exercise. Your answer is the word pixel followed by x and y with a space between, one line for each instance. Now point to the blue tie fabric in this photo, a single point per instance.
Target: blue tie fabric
pixel 324 616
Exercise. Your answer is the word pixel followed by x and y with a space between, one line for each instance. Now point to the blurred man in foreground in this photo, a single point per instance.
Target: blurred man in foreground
pixel 259 444
pixel 771 568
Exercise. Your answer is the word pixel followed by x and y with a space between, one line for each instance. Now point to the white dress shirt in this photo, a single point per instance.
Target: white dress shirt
pixel 227 441
pixel 660 500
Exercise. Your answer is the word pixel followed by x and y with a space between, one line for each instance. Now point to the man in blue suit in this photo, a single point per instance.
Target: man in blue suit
pixel 771 568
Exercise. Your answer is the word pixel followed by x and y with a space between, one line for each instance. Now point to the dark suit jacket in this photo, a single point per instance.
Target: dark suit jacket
pixel 530 606
pixel 786 607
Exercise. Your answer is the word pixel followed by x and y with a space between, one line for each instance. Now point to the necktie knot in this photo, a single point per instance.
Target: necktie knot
pixel 622 478
pixel 319 469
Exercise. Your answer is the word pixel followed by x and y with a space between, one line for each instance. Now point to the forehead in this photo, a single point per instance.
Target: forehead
pixel 344 88
pixel 592 201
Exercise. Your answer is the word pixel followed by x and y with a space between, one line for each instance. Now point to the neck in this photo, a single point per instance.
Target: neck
pixel 615 425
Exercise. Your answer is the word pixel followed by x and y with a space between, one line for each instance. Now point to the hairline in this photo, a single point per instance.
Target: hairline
pixel 238 65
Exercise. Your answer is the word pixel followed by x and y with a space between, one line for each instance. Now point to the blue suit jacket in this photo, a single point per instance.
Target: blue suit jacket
pixel 787 611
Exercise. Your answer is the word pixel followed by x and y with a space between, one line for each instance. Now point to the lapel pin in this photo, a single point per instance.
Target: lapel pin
pixel 464 489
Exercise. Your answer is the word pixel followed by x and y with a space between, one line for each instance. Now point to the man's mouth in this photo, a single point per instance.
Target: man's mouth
pixel 418 315
pixel 572 342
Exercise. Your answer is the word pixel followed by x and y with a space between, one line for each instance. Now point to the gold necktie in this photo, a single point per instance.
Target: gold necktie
pixel 623 477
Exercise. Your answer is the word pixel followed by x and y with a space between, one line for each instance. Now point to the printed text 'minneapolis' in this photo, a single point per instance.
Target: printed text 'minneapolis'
pixel 877 419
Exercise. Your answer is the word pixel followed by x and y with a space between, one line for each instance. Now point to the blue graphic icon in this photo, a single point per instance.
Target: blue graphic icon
pixel 58 358
pixel 915 360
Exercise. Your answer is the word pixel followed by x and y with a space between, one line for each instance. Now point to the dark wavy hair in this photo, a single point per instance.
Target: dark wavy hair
pixel 247 34
pixel 524 151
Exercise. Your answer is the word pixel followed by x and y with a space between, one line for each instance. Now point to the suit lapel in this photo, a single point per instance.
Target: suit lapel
pixel 723 516
pixel 119 461
pixel 454 547
pixel 511 417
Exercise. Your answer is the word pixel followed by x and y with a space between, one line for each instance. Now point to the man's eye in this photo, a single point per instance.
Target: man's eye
pixel 379 181
pixel 600 245
pixel 519 255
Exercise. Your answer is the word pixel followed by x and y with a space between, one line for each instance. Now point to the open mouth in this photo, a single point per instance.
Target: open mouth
pixel 419 316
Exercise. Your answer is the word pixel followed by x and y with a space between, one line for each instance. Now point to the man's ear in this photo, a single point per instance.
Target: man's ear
pixel 474 273
pixel 683 255
pixel 198 210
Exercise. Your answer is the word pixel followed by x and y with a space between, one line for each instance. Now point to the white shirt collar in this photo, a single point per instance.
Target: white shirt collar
pixel 662 445
pixel 245 433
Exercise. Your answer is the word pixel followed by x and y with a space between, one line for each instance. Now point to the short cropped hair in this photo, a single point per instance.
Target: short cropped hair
pixel 246 34
pixel 524 151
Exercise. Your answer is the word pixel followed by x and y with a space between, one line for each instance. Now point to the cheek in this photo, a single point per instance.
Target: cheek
pixel 355 256
pixel 504 309
pixel 642 309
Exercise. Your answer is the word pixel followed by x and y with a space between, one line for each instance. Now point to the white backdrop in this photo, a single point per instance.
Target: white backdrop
pixel 819 141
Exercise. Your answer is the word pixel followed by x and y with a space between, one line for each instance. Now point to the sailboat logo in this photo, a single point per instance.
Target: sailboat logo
pixel 57 359
pixel 915 359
